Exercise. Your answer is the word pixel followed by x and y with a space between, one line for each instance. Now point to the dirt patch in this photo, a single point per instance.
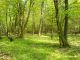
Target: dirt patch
pixel 4 56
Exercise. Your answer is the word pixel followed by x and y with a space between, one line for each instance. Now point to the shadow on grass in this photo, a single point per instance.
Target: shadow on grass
pixel 74 50
pixel 71 53
pixel 40 50
pixel 32 43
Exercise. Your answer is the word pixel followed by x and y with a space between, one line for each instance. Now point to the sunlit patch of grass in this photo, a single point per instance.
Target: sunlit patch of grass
pixel 40 48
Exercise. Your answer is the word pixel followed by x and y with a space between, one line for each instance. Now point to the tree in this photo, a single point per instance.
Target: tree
pixel 41 18
pixel 33 19
pixel 66 21
pixel 63 42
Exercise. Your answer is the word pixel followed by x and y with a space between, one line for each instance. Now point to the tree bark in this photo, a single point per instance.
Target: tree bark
pixel 41 18
pixel 6 25
pixel 62 41
pixel 66 22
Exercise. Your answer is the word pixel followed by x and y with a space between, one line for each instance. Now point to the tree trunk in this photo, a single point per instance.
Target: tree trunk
pixel 62 41
pixel 33 24
pixel 41 18
pixel 66 22
pixel 6 25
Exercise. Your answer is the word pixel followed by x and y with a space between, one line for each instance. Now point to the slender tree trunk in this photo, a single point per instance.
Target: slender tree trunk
pixel 0 30
pixel 22 20
pixel 6 25
pixel 33 24
pixel 23 24
pixel 66 22
pixel 28 15
pixel 52 29
pixel 10 22
pixel 33 19
pixel 41 18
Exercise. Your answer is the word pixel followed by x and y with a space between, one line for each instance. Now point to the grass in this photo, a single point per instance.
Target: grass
pixel 39 48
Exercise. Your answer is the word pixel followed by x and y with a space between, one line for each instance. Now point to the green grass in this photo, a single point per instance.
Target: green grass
pixel 40 48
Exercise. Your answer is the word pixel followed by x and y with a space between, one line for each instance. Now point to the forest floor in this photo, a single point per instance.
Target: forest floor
pixel 39 48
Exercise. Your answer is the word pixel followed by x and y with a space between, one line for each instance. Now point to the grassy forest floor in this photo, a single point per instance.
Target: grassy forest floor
pixel 39 48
